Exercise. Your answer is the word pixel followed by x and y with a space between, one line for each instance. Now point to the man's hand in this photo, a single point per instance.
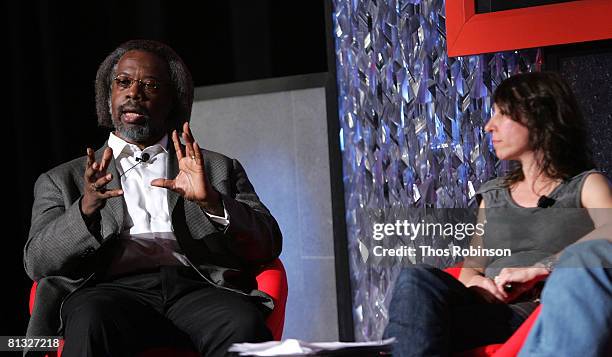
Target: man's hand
pixel 487 289
pixel 191 182
pixel 521 279
pixel 95 178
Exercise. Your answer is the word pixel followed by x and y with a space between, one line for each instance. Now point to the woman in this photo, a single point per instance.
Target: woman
pixel 548 203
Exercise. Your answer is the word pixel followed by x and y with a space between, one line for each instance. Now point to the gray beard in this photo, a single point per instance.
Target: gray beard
pixel 137 133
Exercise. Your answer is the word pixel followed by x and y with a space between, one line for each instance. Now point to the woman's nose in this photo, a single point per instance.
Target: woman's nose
pixel 488 127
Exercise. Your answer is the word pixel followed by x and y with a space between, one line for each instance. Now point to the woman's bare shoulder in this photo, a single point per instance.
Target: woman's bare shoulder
pixel 596 191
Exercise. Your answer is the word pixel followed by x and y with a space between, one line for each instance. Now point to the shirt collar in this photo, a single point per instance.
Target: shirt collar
pixel 121 147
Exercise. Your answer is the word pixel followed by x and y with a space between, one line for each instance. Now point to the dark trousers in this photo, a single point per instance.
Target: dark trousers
pixel 433 314
pixel 171 307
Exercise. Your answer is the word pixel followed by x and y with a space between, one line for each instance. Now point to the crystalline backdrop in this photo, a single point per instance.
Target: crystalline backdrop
pixel 411 129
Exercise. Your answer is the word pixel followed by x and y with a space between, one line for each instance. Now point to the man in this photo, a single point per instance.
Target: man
pixel 147 242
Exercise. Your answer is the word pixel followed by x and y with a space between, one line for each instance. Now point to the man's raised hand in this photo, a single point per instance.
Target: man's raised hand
pixel 191 182
pixel 95 179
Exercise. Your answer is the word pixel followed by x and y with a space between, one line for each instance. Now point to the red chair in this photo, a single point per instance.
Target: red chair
pixel 272 280
pixel 511 347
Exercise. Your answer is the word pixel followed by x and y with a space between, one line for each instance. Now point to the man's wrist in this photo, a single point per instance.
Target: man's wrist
pixel 88 217
pixel 92 221
pixel 213 205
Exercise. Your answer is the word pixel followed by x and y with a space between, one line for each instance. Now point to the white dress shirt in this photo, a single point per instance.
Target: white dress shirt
pixel 147 239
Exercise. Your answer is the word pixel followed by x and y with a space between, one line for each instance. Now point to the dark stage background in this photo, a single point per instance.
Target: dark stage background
pixel 52 50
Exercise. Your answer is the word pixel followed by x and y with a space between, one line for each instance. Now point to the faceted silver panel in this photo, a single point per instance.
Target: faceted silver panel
pixel 411 130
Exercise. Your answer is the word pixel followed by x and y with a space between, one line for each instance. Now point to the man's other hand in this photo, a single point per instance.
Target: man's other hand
pixel 94 192
pixel 192 182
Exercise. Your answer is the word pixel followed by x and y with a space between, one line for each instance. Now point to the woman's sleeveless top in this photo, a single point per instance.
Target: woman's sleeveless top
pixel 533 233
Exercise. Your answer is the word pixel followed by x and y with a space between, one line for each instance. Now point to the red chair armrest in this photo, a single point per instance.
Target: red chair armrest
pixel 272 280
pixel 455 270
pixel 32 296
pixel 515 343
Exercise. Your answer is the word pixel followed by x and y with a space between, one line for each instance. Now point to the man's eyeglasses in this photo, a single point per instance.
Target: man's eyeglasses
pixel 151 86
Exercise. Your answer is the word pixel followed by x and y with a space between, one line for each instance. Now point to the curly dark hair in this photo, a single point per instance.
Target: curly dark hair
pixel 179 76
pixel 545 104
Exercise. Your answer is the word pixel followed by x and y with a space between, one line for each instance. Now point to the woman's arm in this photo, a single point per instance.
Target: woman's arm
pixel 472 271
pixel 597 199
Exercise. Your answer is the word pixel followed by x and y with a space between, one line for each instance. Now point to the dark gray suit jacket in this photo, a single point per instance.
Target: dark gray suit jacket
pixel 63 255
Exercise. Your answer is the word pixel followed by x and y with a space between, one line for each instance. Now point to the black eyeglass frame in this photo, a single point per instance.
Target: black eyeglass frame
pixel 146 84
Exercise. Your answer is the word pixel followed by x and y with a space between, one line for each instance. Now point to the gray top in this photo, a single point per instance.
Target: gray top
pixel 533 233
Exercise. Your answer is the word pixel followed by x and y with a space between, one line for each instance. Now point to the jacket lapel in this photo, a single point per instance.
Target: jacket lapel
pixel 172 171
